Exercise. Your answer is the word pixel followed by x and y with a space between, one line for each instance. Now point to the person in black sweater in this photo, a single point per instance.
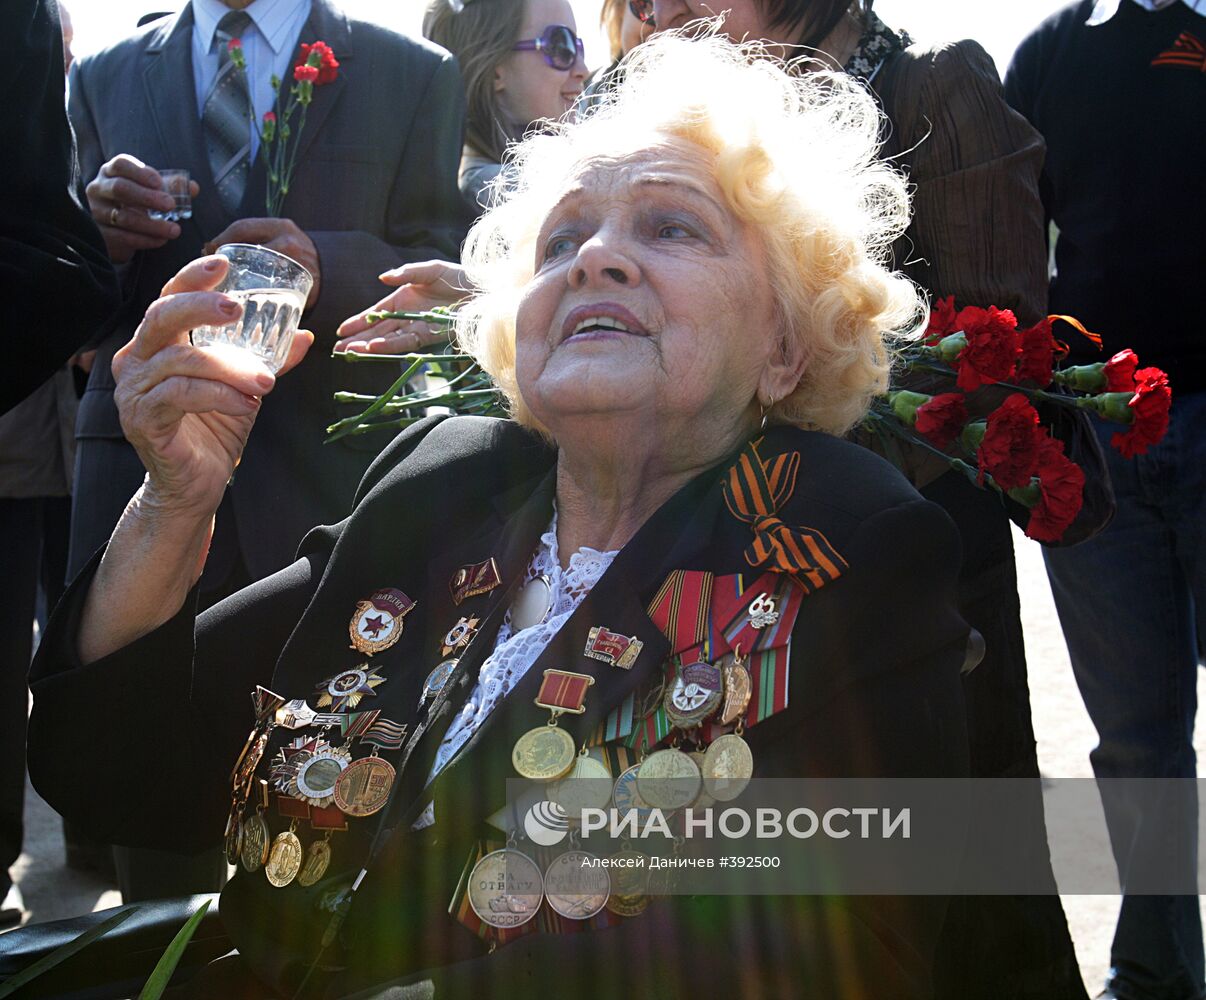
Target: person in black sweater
pixel 1118 90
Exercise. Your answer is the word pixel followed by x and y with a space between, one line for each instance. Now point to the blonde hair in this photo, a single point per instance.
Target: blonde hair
pixel 794 155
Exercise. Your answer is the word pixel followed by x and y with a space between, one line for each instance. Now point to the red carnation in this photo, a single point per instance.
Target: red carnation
pixel 269 116
pixel 234 43
pixel 1149 408
pixel 942 418
pixel 1120 371
pixel 942 320
pixel 320 55
pixel 1038 353
pixel 992 347
pixel 1010 449
pixel 1062 486
pixel 305 74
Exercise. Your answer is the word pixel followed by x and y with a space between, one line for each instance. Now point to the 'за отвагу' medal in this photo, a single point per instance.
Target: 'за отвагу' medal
pixel 377 623
pixel 505 888
pixel 547 752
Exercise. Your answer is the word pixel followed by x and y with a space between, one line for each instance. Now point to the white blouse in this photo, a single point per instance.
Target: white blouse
pixel 515 652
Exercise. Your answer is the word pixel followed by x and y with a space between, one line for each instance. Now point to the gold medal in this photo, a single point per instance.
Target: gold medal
pixel 362 788
pixel 669 779
pixel 314 867
pixel 284 859
pixel 694 695
pixel 254 851
pixel 243 774
pixel 543 753
pixel 505 888
pixel 737 688
pixel 575 887
pixel 377 623
pixel 628 906
pixel 703 800
pixel 234 836
pixel 727 768
pixel 547 752
pixel 588 785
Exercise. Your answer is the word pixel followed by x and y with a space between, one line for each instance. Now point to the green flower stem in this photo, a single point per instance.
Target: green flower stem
pixel 445 319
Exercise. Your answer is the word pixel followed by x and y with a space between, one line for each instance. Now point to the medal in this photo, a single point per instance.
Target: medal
pixel 243 774
pixel 669 779
pixel 576 888
pixel 694 695
pixel 254 851
pixel 295 714
pixel 737 688
pixel 505 888
pixel 588 785
pixel 264 703
pixel 460 635
pixel 362 788
pixel 234 837
pixel 532 604
pixel 469 581
pixel 627 796
pixel 385 734
pixel 314 779
pixel 377 623
pixel 284 859
pixel 628 906
pixel 347 688
pixel 547 752
pixel 611 647
pixel 437 679
pixel 727 768
pixel 314 866
pixel 762 612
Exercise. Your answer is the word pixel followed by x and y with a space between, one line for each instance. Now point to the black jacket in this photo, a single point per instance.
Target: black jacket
pixel 874 692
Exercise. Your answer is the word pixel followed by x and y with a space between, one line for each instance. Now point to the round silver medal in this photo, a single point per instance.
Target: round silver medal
pixel 532 604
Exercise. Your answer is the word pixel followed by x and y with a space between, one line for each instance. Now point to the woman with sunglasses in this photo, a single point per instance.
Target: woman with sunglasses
pixel 522 63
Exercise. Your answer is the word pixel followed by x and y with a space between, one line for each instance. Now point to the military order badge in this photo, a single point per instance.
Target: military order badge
pixel 611 647
pixel 469 581
pixel 377 623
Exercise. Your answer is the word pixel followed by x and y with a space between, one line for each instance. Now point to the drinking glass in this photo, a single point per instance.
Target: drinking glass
pixel 272 289
pixel 176 183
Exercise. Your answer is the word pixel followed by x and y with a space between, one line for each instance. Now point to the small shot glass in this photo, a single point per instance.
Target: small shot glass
pixel 176 183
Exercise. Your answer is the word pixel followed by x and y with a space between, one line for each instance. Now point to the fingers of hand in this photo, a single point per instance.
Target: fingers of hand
pixel 136 222
pixel 199 275
pixel 302 341
pixel 167 401
pixel 169 319
pixel 244 376
pixel 402 338
pixel 250 231
pixel 428 272
pixel 125 165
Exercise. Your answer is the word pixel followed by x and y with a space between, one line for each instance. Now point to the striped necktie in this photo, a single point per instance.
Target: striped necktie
pixel 227 116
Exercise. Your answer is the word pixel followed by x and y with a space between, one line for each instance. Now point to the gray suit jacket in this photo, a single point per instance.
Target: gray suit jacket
pixel 375 186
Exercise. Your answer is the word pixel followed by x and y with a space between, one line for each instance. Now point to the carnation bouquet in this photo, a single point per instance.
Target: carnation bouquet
pixel 1008 449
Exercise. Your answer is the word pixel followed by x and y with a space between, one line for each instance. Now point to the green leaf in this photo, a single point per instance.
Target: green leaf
pixel 48 962
pixel 162 975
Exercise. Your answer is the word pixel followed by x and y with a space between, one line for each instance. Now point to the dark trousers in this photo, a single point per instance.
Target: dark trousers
pixel 33 551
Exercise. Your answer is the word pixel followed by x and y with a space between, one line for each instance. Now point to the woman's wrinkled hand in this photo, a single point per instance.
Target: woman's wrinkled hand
pixel 187 410
pixel 419 287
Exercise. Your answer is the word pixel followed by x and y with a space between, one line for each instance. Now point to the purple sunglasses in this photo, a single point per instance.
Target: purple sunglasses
pixel 558 44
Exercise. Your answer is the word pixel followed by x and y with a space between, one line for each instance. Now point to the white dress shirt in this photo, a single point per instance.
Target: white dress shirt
pixel 1103 10
pixel 269 44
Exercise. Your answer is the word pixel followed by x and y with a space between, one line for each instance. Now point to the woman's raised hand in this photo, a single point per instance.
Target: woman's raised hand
pixel 419 287
pixel 188 410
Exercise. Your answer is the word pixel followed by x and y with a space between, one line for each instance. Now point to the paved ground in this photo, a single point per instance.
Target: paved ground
pixel 1065 738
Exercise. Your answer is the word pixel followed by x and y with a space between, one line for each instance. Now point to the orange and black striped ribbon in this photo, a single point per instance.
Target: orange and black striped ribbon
pixel 754 491
pixel 1188 51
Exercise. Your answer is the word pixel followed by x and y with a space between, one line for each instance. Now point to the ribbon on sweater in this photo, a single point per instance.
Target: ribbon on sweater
pixel 754 491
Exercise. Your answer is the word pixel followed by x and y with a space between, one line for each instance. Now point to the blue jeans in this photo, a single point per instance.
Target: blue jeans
pixel 1132 603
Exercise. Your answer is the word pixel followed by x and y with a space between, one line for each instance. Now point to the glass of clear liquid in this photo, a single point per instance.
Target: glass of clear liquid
pixel 176 183
pixel 272 290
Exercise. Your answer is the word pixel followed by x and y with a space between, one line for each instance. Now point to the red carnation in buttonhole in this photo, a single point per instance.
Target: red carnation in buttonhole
pixel 305 74
pixel 1120 371
pixel 1062 487
pixel 941 419
pixel 1149 406
pixel 234 43
pixel 992 346
pixel 327 64
pixel 1038 353
pixel 1010 449
pixel 942 320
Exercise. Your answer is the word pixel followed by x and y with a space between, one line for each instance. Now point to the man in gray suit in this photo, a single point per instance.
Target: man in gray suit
pixel 375 186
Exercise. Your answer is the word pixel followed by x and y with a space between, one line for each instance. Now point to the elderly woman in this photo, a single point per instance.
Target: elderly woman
pixel 686 305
